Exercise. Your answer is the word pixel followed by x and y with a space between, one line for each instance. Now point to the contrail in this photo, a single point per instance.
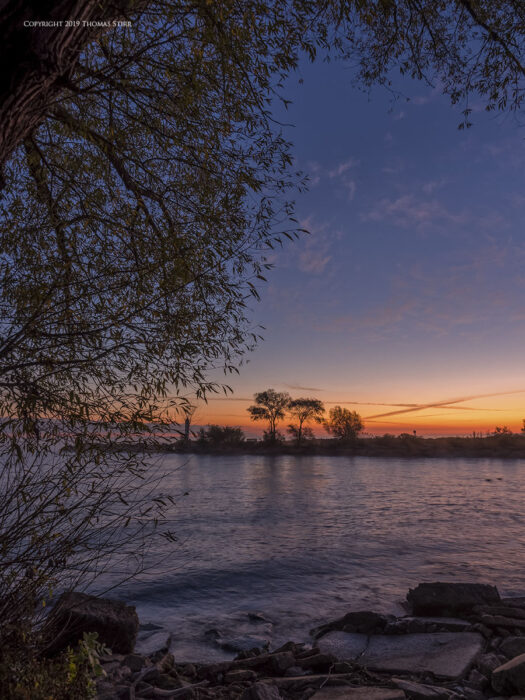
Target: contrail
pixel 444 404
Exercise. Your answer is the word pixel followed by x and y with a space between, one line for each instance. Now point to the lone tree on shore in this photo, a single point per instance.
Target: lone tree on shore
pixel 343 424
pixel 271 406
pixel 304 410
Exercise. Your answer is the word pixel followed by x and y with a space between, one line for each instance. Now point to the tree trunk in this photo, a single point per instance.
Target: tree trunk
pixel 38 62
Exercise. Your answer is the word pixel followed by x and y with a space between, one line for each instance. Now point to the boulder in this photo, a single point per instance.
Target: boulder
pixel 449 599
pixel 361 622
pixel 363 693
pixel 409 624
pixel 512 646
pixel 240 675
pixel 75 613
pixel 316 662
pixel 261 691
pixel 488 662
pixel 498 621
pixel 445 654
pixel 504 610
pixel 421 691
pixel 510 677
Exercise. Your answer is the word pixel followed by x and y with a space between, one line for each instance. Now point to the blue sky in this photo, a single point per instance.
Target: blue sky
pixel 410 286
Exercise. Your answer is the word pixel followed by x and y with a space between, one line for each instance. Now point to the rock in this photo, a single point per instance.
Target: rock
pixel 261 691
pixel 247 643
pixel 504 610
pixel 258 617
pixel 277 662
pixel 510 677
pixel 363 693
pixel 485 631
pixel 498 621
pixel 189 670
pixel 110 666
pixel 420 691
pixel 345 646
pixel 281 662
pixel 316 662
pixel 157 643
pixel 149 627
pixel 471 694
pixel 448 599
pixel 441 624
pixel 477 680
pixel 150 675
pixel 75 613
pixel 166 682
pixel 488 662
pixel 291 646
pixel 445 654
pixel 305 653
pixel 343 667
pixel 517 602
pixel 293 671
pixel 362 621
pixel 134 662
pixel 240 675
pixel 512 646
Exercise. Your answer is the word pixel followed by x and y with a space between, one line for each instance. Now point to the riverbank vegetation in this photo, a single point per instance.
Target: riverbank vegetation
pixel 404 445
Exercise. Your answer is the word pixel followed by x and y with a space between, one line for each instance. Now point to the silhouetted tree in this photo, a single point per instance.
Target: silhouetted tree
pixel 343 424
pixel 304 410
pixel 470 46
pixel 502 430
pixel 271 406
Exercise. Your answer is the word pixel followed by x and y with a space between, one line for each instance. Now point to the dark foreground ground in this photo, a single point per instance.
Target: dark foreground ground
pixel 457 640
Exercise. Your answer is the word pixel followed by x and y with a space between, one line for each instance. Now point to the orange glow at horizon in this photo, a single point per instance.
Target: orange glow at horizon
pixel 479 413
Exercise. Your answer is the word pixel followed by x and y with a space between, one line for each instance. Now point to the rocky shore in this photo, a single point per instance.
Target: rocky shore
pixel 456 641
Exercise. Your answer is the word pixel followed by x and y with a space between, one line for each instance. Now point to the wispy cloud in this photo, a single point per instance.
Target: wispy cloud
pixel 315 252
pixel 298 387
pixel 341 168
pixel 313 169
pixel 448 403
pixel 351 187
pixel 434 185
pixel 408 210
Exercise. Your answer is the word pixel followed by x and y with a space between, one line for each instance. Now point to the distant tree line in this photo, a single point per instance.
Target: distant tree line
pixel 273 406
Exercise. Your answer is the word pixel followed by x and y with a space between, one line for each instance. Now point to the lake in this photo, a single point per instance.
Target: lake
pixel 270 546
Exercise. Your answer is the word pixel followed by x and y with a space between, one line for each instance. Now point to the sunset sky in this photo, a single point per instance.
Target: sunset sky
pixel 410 289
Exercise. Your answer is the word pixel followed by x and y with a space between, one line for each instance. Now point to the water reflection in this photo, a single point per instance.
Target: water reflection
pixel 304 538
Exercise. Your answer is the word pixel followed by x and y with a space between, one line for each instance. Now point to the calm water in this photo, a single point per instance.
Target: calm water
pixel 304 539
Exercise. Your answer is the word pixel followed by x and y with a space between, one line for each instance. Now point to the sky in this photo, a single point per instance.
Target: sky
pixel 406 300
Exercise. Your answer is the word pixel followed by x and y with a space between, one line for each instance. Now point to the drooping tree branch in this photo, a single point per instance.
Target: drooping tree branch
pixel 41 60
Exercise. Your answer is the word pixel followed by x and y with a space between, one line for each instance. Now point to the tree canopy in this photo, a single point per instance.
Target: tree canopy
pixel 304 410
pixel 270 406
pixel 470 46
pixel 343 423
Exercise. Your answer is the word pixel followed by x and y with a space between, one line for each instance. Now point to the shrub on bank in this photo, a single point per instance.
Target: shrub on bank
pixel 27 675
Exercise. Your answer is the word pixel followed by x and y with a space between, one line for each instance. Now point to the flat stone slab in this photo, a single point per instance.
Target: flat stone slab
pixel 346 646
pixel 368 693
pixel 445 654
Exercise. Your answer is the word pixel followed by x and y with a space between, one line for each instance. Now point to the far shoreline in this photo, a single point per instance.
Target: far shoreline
pixel 505 446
